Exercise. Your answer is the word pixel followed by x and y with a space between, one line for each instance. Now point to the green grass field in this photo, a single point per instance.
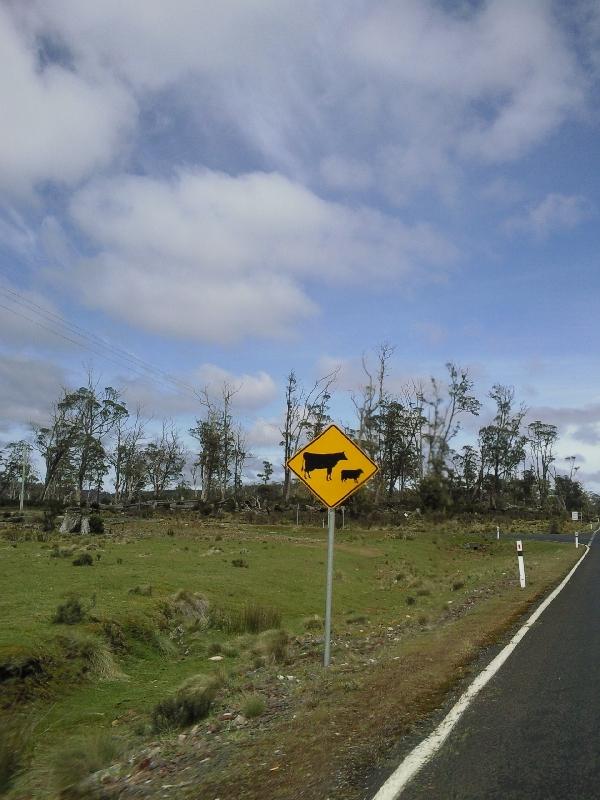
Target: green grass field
pixel 409 583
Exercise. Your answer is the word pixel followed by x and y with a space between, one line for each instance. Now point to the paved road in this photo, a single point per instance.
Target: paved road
pixel 533 733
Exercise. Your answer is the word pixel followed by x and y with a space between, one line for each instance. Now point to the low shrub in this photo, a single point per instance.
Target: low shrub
pixel 70 612
pixel 410 600
pixel 555 526
pixel 253 706
pixel 190 703
pixel 457 585
pixel 84 559
pixel 96 524
pixel 240 562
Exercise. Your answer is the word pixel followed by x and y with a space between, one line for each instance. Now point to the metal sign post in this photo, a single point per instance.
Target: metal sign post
pixel 333 467
pixel 521 562
pixel 329 594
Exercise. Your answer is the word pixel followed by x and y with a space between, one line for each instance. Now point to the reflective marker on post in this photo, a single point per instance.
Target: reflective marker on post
pixel 521 563
pixel 497 531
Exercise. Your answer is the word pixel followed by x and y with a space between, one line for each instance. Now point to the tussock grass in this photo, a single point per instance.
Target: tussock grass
pixel 94 653
pixel 79 758
pixel 58 551
pixel 14 745
pixel 314 623
pixel 356 619
pixel 144 591
pixel 250 618
pixel 83 560
pixel 272 646
pixel 191 607
pixel 189 704
pixel 253 705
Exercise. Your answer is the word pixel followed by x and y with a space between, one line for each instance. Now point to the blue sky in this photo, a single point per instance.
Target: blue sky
pixel 231 189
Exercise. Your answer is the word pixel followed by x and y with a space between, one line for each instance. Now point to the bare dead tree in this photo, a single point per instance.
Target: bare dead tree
pixel 302 408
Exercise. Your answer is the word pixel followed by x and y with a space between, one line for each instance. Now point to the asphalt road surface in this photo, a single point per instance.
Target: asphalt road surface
pixel 533 732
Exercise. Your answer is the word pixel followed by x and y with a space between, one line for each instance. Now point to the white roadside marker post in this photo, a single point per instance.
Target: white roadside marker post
pixel 577 539
pixel 521 562
pixel 497 532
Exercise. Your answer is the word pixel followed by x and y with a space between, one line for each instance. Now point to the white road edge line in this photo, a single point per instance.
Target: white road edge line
pixel 422 753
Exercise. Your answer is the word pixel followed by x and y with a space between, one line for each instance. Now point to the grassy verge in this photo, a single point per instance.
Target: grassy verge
pixel 188 607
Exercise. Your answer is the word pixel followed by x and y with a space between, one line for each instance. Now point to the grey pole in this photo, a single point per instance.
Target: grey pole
pixel 331 534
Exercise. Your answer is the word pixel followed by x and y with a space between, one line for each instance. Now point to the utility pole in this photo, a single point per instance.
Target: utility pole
pixel 22 497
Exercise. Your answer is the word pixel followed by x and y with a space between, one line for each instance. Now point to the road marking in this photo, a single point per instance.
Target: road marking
pixel 423 752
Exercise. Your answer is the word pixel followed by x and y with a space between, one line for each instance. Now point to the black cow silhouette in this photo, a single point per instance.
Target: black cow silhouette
pixel 348 474
pixel 322 461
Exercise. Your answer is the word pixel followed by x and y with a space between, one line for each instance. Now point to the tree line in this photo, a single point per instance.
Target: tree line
pixel 92 446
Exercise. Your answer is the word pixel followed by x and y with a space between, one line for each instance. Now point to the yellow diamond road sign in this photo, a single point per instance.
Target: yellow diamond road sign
pixel 332 466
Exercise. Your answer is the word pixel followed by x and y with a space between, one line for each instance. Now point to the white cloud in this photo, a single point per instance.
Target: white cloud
pixel 343 173
pixel 555 212
pixel 264 433
pixel 487 83
pixel 28 387
pixel 58 125
pixel 15 234
pixel 211 256
pixel 251 391
pixel 405 96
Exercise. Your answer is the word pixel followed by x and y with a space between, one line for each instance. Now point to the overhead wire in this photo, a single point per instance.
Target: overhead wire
pixel 77 330
pixel 59 326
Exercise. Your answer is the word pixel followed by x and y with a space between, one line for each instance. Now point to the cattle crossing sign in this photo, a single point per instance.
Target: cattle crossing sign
pixel 332 466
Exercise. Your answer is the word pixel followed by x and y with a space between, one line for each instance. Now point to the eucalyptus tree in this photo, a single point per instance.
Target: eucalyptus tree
pixel 16 465
pixel 501 443
pixel 164 459
pixel 444 406
pixel 127 457
pixel 542 438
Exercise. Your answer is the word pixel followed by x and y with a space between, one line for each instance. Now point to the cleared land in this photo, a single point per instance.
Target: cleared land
pixel 412 608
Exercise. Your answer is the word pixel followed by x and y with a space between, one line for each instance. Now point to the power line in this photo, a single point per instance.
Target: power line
pixel 88 340
pixel 85 346
pixel 77 330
